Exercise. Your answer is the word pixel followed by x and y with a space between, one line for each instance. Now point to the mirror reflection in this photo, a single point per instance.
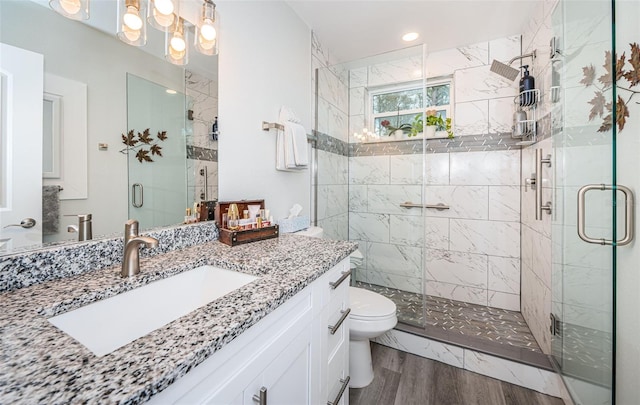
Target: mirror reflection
pixel 93 89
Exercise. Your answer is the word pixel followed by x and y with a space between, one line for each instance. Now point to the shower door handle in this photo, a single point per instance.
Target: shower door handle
pixel 134 199
pixel 629 222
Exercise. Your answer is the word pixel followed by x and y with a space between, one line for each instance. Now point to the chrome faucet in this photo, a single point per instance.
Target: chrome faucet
pixel 131 253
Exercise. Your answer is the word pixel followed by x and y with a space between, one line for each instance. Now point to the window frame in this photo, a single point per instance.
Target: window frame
pixel 413 85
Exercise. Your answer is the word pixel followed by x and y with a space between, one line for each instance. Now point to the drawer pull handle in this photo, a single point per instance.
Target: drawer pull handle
pixel 262 399
pixel 345 384
pixel 335 284
pixel 333 329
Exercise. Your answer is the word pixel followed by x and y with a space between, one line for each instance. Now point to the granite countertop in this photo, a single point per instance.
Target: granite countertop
pixel 41 364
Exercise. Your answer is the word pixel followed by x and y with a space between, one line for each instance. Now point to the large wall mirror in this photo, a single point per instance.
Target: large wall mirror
pixel 93 89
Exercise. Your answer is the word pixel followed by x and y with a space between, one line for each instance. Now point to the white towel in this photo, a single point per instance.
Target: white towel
pixel 296 146
pixel 291 147
pixel 280 151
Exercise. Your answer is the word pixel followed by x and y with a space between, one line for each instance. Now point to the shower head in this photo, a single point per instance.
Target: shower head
pixel 504 70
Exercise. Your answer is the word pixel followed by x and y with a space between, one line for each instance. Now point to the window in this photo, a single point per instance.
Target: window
pixel 399 105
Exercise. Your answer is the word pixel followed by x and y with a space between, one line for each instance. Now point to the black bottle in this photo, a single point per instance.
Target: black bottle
pixel 214 130
pixel 527 82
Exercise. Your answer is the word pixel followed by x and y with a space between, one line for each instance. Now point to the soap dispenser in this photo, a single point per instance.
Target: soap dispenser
pixel 527 82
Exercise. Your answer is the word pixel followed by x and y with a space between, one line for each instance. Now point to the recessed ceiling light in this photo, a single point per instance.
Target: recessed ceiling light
pixel 170 91
pixel 410 36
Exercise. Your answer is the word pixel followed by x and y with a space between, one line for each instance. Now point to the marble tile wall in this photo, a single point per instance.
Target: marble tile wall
pixel 472 249
pixel 331 106
pixel 202 149
pixel 536 260
pixel 483 101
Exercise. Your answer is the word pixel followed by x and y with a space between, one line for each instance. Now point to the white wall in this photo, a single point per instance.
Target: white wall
pixel 102 62
pixel 265 63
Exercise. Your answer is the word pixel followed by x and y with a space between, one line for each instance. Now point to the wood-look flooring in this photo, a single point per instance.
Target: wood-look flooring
pixel 405 379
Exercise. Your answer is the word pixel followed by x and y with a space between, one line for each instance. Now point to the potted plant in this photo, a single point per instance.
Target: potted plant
pixel 397 131
pixel 434 123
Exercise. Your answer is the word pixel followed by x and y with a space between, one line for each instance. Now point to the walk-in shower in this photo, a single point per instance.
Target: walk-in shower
pixel 475 237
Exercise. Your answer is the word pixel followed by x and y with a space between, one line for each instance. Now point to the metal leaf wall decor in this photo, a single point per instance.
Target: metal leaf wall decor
pixel 143 144
pixel 600 108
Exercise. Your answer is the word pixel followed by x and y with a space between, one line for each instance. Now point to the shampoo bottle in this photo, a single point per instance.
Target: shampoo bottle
pixel 527 82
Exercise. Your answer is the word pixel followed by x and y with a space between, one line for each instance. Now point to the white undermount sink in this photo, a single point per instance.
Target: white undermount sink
pixel 106 325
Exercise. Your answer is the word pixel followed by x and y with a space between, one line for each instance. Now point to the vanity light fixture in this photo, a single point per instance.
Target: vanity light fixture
pixel 410 36
pixel 162 14
pixel 73 9
pixel 133 16
pixel 206 34
pixel 131 25
pixel 176 50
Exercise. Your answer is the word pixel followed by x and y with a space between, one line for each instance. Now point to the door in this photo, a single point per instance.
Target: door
pixel 157 187
pixel 21 90
pixel 595 259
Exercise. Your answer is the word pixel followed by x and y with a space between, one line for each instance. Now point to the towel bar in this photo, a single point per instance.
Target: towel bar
pixel 271 125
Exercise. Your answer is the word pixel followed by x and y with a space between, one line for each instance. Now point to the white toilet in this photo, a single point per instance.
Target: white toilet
pixel 371 316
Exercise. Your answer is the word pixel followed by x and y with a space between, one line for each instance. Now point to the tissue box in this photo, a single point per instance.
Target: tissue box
pixel 294 224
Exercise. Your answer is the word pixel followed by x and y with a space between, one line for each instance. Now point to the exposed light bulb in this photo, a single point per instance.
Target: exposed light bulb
pixel 132 19
pixel 164 7
pixel 208 31
pixel 177 43
pixel 70 6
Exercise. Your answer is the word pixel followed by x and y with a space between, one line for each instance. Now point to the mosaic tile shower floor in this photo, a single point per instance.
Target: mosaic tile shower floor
pixel 477 322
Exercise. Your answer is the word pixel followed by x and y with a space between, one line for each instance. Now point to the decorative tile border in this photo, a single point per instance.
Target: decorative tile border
pixel 56 262
pixel 199 153
pixel 468 143
pixel 329 144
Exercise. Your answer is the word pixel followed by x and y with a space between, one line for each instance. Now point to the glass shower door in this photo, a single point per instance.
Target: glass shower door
pixel 591 207
pixel 157 158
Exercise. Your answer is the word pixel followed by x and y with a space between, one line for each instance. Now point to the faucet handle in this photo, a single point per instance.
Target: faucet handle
pixel 131 227
pixel 130 230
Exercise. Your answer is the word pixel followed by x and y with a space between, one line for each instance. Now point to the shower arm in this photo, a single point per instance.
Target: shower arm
pixel 532 55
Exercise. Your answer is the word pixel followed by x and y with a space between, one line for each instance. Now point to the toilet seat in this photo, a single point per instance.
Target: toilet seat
pixel 368 305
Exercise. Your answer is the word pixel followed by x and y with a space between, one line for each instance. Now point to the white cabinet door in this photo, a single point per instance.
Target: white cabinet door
pixel 286 379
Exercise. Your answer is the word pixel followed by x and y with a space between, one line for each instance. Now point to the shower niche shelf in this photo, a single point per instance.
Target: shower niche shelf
pixel 526 129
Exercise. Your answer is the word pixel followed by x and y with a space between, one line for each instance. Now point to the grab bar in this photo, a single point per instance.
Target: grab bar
pixel 438 206
pixel 538 182
pixel 204 196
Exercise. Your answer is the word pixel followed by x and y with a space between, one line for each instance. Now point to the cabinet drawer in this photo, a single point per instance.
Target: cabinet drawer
pixel 337 373
pixel 336 318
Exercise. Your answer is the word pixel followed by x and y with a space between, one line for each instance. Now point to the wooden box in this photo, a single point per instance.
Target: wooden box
pixel 238 237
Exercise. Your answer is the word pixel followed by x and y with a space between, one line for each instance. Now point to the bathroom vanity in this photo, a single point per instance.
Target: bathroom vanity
pixel 285 333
